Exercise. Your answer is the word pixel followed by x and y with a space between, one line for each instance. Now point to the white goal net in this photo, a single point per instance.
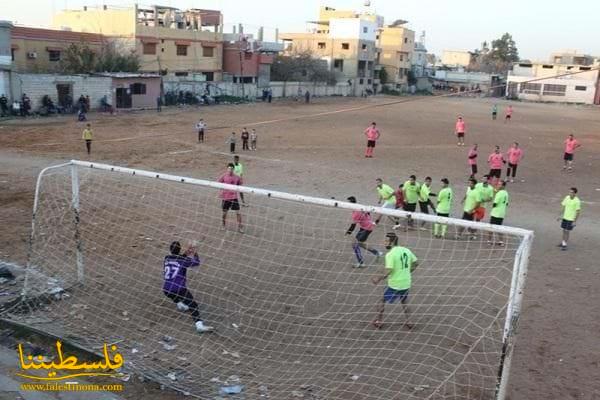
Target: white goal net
pixel 292 317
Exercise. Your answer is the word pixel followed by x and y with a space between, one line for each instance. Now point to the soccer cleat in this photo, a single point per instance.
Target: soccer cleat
pixel 181 306
pixel 360 264
pixel 379 254
pixel 512 181
pixel 501 244
pixel 201 328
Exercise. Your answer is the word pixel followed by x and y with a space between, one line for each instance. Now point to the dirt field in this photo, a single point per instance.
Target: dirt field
pixel 556 354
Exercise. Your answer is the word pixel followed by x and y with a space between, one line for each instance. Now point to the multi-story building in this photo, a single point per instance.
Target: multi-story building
pixel 346 41
pixel 35 50
pixel 397 44
pixel 246 60
pixel 168 40
pixel 565 83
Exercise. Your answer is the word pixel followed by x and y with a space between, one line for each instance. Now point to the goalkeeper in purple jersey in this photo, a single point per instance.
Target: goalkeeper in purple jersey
pixel 175 269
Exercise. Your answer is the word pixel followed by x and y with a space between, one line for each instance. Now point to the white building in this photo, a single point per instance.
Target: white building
pixel 564 83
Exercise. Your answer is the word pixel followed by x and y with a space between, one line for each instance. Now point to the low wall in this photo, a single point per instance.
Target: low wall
pixel 279 89
pixel 36 86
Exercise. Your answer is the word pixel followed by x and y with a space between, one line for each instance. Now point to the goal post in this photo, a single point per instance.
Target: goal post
pixel 290 311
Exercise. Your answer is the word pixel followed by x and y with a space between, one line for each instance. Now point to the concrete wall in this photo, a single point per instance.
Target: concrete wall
pixel 280 89
pixel 38 85
pixel 571 94
pixel 538 70
pixel 110 22
pixel 451 57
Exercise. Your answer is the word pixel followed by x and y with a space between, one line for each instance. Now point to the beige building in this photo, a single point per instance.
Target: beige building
pixel 397 44
pixel 41 50
pixel 457 58
pixel 168 40
pixel 346 40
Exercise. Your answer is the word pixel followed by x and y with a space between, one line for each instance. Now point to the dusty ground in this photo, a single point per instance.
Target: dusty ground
pixel 557 353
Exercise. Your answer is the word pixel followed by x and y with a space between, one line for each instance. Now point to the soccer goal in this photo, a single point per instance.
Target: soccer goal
pixel 292 315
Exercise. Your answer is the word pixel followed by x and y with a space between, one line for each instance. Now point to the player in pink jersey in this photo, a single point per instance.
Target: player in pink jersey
pixel 495 161
pixel 459 129
pixel 365 225
pixel 372 134
pixel 472 159
pixel 570 145
pixel 508 114
pixel 229 198
pixel 514 155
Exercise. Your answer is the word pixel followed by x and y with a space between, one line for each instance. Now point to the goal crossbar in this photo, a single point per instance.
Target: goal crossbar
pixel 520 263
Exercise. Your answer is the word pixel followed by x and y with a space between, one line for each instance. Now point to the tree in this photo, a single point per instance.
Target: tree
pixel 114 58
pixel 498 58
pixel 383 76
pixel 77 59
pixel 411 78
pixel 301 66
pixel 81 59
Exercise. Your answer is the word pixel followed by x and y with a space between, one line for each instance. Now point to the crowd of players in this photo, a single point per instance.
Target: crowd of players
pixel 487 195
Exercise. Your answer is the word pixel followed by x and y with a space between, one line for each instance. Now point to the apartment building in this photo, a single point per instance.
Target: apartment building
pixel 248 60
pixel 564 83
pixel 168 40
pixel 457 58
pixel 5 58
pixel 397 46
pixel 346 41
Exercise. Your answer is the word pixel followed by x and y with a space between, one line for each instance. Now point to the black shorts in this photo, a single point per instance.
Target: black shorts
pixel 230 205
pixel 495 173
pixel 370 143
pixel 424 207
pixel 568 157
pixel 460 134
pixel 362 235
pixel 410 207
pixel 182 294
pixel 474 169
pixel 494 113
pixel 443 215
pixel 567 225
pixel 467 216
pixel 507 116
pixel 496 220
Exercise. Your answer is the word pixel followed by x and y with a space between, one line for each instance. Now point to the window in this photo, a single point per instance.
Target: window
pixel 181 74
pixel 554 90
pixel 365 29
pixel 548 66
pixel 361 81
pixel 405 40
pixel 377 37
pixel 585 68
pixel 345 46
pixel 581 88
pixel 338 64
pixel 181 50
pixel 321 45
pixel 137 88
pixel 149 48
pixel 368 81
pixel 247 79
pixel 12 54
pixel 401 57
pixel 208 51
pixel 364 47
pixel 53 55
pixel 210 76
pixel 525 65
pixel 531 88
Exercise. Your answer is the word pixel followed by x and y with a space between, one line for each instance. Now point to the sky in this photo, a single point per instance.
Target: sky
pixel 538 27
